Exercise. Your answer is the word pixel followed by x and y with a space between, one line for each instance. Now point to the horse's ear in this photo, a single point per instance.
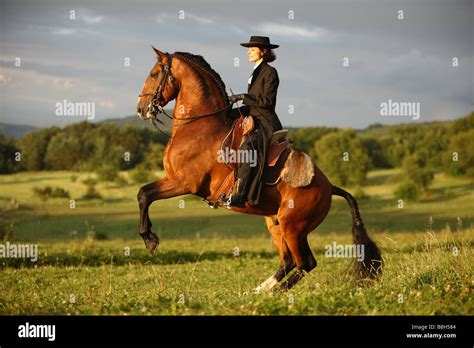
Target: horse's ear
pixel 159 54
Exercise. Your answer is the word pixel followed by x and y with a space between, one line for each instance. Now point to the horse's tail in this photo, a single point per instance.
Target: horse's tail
pixel 371 264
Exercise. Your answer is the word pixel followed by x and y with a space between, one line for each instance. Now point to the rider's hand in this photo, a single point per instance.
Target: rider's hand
pixel 235 98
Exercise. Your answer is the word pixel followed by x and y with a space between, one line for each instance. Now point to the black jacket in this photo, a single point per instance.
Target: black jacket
pixel 260 102
pixel 261 96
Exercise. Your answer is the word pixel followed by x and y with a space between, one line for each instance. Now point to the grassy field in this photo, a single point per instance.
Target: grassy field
pixel 428 264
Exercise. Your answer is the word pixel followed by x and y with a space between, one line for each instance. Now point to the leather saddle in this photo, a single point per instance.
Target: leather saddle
pixel 277 154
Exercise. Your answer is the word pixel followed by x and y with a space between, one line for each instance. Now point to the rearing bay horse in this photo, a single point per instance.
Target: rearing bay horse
pixel 201 120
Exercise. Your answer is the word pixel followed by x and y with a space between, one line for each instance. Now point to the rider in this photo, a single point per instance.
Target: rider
pixel 259 101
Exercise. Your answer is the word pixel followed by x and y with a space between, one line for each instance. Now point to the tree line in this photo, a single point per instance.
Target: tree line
pixel 421 150
pixel 345 155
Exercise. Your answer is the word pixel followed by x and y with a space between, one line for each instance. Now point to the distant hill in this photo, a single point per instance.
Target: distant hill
pixel 375 130
pixel 378 130
pixel 135 121
pixel 15 130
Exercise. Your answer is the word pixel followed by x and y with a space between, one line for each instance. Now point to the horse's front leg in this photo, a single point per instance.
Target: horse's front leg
pixel 161 189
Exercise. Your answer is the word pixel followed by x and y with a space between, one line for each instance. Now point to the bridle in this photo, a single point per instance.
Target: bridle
pixel 154 108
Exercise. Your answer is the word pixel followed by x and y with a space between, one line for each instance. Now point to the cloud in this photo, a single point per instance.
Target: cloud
pixel 89 17
pixel 89 51
pixel 199 19
pixel 109 104
pixel 283 30
pixel 63 31
pixel 63 83
pixel 92 19
pixel 166 17
pixel 73 32
pixel 419 74
pixel 4 78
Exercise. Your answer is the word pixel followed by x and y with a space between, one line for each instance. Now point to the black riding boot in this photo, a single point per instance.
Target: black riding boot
pixel 244 175
pixel 239 197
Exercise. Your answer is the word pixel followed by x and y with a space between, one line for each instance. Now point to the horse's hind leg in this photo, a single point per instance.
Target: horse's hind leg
pixel 298 244
pixel 286 261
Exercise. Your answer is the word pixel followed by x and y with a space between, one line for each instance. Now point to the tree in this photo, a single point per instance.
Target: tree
pixel 304 138
pixel 460 155
pixel 154 156
pixel 343 157
pixel 64 152
pixel 417 170
pixel 33 147
pixel 8 151
pixel 463 124
pixel 375 152
pixel 417 177
pixel 134 143
pixel 141 174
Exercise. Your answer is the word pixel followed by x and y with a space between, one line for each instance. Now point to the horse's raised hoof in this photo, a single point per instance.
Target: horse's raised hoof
pixel 151 242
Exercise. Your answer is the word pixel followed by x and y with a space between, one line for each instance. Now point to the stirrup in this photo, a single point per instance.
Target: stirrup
pixel 228 203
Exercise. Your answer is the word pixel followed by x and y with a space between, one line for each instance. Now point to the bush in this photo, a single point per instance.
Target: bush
pixel 42 193
pixel 408 190
pixel 91 192
pixel 50 192
pixel 101 236
pixel 107 173
pixel 121 180
pixel 417 171
pixel 73 177
pixel 89 181
pixel 141 174
pixel 59 192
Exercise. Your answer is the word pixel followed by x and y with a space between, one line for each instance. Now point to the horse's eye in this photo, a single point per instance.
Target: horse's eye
pixel 154 75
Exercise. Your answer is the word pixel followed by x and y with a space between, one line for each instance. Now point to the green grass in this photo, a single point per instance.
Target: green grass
pixel 195 262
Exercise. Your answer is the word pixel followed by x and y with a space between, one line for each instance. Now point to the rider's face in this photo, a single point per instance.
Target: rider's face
pixel 254 54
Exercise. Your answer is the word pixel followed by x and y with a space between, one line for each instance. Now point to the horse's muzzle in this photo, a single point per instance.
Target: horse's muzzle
pixel 140 114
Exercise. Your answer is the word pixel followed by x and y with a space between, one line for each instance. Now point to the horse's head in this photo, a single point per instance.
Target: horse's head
pixel 160 87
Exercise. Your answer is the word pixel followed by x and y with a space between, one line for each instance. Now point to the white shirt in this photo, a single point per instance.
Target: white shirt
pixel 255 67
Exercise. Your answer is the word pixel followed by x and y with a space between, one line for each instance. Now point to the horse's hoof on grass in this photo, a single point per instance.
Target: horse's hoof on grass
pixel 284 287
pixel 151 242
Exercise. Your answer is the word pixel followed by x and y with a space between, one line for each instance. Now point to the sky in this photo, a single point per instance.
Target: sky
pixel 81 59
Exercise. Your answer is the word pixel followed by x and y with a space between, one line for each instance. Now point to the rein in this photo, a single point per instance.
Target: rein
pixel 155 108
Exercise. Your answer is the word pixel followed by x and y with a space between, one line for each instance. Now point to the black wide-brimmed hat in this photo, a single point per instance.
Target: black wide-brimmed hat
pixel 259 41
